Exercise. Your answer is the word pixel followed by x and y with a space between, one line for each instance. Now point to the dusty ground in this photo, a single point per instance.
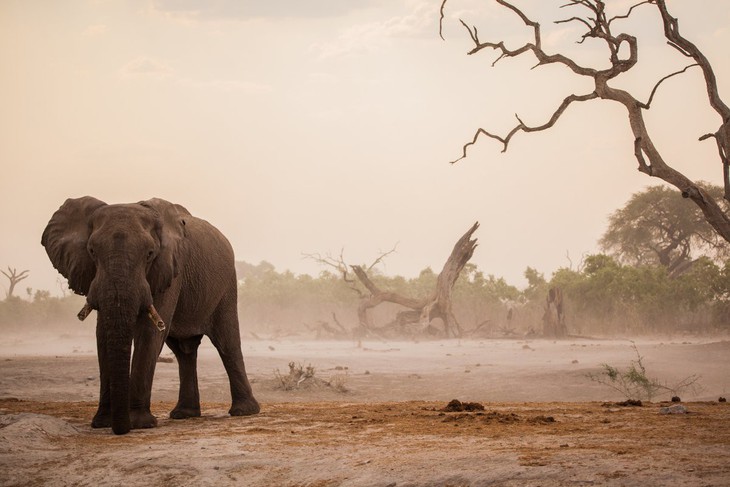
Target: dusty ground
pixel 544 422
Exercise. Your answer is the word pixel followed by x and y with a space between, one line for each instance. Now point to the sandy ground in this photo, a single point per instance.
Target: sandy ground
pixel 380 423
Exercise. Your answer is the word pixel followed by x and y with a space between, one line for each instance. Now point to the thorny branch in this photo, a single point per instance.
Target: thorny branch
pixel 598 26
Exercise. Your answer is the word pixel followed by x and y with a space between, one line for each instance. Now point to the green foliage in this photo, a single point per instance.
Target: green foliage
pixel 634 383
pixel 472 284
pixel 536 285
pixel 659 227
pixel 607 297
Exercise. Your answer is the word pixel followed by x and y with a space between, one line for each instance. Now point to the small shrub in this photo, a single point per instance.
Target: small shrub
pixel 634 383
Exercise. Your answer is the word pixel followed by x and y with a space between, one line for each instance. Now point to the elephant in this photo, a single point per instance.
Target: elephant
pixel 155 274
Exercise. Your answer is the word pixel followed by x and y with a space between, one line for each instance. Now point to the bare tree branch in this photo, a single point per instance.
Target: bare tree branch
pixel 441 20
pixel 576 19
pixel 656 86
pixel 675 39
pixel 639 153
pixel 598 26
pixel 722 148
pixel 627 14
pixel 341 267
pixel 382 256
pixel 521 127
pixel 338 264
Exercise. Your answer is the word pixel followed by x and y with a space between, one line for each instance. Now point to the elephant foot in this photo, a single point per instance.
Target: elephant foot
pixel 245 408
pixel 101 420
pixel 142 419
pixel 182 413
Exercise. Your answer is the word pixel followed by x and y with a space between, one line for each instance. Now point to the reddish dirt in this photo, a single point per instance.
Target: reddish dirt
pixel 390 424
pixel 393 443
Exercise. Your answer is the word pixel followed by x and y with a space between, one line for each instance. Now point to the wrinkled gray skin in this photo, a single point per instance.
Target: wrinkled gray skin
pixel 127 257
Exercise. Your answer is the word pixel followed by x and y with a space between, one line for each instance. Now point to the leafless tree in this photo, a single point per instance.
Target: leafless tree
pixel 622 49
pixel 14 277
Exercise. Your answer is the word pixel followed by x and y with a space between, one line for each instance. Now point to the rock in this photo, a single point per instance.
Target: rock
pixel 676 409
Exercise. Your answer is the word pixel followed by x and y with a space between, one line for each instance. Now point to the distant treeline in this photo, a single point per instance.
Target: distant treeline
pixel 602 298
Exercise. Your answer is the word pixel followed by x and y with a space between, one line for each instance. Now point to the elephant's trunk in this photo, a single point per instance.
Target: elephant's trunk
pixel 117 316
pixel 119 385
pixel 119 293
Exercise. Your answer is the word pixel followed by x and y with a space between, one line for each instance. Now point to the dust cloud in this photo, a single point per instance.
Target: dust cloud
pixel 516 369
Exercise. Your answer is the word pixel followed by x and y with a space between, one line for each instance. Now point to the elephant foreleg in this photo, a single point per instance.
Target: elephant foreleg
pixel 186 353
pixel 147 346
pixel 103 416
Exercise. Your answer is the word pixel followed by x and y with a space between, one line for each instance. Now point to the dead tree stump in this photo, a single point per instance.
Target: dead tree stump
pixel 553 320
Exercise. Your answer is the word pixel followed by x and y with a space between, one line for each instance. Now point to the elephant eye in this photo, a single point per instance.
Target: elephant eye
pixel 150 254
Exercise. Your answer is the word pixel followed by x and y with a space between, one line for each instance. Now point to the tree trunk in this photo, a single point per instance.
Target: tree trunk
pixel 422 311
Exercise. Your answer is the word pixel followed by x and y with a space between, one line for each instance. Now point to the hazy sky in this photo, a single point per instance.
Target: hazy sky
pixel 311 126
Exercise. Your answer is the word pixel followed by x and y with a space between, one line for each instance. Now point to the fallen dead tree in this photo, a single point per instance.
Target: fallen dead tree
pixel 323 330
pixel 421 312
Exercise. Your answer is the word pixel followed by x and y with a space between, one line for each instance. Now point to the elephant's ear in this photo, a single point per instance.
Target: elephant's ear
pixel 171 233
pixel 65 239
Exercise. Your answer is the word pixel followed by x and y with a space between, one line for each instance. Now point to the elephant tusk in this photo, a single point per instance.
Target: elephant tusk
pixel 85 311
pixel 156 320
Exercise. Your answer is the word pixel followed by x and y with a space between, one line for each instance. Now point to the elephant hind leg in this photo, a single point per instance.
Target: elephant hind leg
pixel 243 401
pixel 186 353
pixel 226 338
